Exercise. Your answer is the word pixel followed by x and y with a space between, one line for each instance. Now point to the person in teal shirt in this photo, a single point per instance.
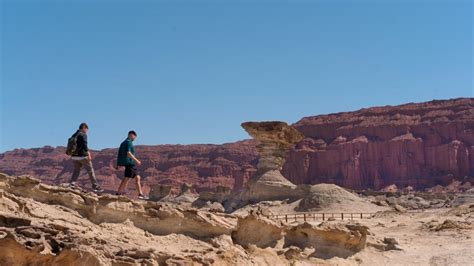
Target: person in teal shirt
pixel 126 157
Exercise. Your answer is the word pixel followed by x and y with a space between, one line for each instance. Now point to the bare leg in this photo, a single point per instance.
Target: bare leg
pixel 138 185
pixel 123 185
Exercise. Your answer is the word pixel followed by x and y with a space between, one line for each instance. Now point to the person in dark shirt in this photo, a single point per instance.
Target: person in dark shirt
pixel 126 157
pixel 82 158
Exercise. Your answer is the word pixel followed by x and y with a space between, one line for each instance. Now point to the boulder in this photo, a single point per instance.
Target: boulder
pixel 466 198
pixel 392 188
pixel 329 240
pixel 257 230
pixel 159 192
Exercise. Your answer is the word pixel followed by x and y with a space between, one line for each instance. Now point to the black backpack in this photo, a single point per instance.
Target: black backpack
pixel 71 144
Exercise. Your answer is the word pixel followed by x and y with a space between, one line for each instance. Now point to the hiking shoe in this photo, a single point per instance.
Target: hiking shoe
pixel 72 184
pixel 142 197
pixel 98 189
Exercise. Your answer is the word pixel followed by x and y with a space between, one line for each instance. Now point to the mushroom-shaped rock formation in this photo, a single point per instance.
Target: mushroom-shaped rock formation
pixel 276 138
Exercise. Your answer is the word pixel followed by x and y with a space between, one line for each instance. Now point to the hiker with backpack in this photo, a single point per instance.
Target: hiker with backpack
pixel 81 157
pixel 126 157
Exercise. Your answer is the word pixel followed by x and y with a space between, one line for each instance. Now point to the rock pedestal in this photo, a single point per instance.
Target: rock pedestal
pixel 275 140
pixel 159 192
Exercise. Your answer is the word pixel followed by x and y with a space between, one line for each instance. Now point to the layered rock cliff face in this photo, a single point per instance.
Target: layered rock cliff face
pixel 420 145
pixel 203 166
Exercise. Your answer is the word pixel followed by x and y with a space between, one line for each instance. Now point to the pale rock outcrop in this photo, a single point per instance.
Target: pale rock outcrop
pixel 329 196
pixel 154 217
pixel 159 192
pixel 50 225
pixel 327 240
pixel 257 230
pixel 391 188
pixel 466 198
pixel 186 196
pixel 275 140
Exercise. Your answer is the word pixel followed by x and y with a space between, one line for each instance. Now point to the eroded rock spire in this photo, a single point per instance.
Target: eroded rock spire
pixel 275 139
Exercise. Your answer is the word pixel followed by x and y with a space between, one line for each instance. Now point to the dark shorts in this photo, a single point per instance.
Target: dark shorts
pixel 131 171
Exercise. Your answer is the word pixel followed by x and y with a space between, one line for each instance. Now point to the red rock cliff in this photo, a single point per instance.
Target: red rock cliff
pixel 203 166
pixel 421 145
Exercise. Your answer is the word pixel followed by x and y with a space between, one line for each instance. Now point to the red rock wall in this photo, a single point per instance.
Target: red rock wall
pixel 203 166
pixel 421 145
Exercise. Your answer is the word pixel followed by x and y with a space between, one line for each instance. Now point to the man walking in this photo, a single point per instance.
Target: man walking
pixel 81 157
pixel 126 157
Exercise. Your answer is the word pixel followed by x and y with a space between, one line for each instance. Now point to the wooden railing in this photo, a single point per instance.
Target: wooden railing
pixel 313 216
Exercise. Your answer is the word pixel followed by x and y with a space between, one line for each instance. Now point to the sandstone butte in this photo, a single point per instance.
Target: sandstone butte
pixel 421 145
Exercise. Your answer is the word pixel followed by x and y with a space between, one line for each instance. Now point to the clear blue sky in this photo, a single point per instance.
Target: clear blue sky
pixel 191 72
